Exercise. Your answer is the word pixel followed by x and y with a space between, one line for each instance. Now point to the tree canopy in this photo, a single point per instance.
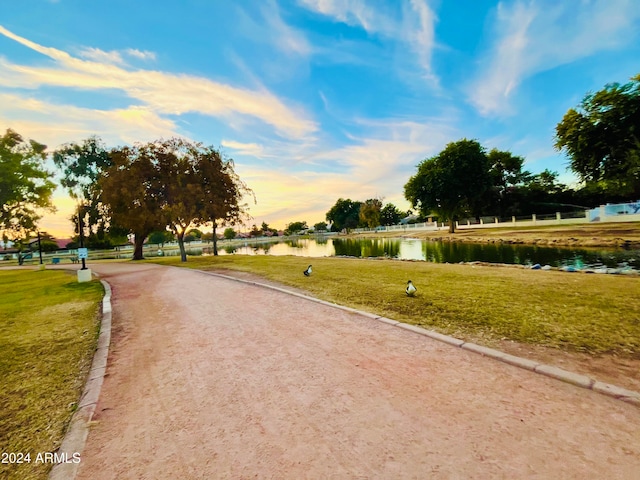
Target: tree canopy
pixel 391 215
pixel 450 182
pixel 295 227
pixel 82 164
pixel 160 237
pixel 220 190
pixel 345 214
pixel 320 226
pixel 25 188
pixel 507 181
pixel 172 183
pixel 132 190
pixel 369 213
pixel 601 137
pixel 181 187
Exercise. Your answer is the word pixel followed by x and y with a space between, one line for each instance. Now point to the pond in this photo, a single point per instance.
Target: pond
pixel 435 251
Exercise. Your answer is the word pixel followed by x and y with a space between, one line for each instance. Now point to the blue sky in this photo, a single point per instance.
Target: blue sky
pixel 313 99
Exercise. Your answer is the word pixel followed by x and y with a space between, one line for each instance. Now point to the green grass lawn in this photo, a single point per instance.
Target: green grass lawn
pixel 48 333
pixel 574 311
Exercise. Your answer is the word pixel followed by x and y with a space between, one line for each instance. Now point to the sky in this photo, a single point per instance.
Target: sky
pixel 314 100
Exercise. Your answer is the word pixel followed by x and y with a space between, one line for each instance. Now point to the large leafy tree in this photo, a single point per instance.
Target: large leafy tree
pixel 220 190
pixel 345 214
pixel 450 182
pixel 369 213
pixel 391 215
pixel 25 187
pixel 180 186
pixel 320 226
pixel 160 237
pixel 229 233
pixel 601 137
pixel 172 183
pixel 133 191
pixel 544 194
pixel 506 178
pixel 295 227
pixel 82 164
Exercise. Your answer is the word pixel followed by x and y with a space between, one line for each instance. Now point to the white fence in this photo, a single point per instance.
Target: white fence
pixel 616 212
pixel 622 212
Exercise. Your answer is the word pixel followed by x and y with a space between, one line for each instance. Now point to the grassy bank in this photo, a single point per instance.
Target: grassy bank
pixel 624 234
pixel 573 311
pixel 48 332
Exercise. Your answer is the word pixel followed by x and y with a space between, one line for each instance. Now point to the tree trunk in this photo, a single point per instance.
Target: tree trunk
pixel 452 226
pixel 215 240
pixel 183 252
pixel 138 243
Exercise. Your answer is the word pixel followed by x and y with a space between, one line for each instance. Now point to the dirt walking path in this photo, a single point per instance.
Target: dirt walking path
pixel 211 378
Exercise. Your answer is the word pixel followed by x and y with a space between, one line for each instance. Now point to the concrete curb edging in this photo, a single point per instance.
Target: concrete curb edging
pixel 550 371
pixel 74 440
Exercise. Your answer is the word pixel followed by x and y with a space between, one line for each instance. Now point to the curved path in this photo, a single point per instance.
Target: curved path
pixel 212 378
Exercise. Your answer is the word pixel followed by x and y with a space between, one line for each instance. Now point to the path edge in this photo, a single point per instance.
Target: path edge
pixel 579 380
pixel 75 438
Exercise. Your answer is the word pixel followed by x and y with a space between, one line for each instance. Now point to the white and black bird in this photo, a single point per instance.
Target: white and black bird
pixel 411 289
pixel 307 272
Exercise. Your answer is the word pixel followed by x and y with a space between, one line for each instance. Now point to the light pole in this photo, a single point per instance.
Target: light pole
pixel 84 274
pixel 40 247
pixel 81 234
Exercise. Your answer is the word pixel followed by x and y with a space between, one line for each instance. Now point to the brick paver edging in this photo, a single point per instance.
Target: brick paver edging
pixel 76 436
pixel 579 380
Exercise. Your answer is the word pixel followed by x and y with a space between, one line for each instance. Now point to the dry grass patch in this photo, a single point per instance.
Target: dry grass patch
pixel 48 333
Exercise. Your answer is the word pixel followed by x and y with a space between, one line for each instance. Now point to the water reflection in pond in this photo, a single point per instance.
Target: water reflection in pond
pixel 435 251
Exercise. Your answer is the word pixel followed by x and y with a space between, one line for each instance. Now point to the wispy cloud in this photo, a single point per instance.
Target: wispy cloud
pixel 285 37
pixel 419 25
pixel 391 149
pixel 53 124
pixel 354 13
pixel 140 54
pixel 97 55
pixel 414 25
pixel 249 149
pixel 115 57
pixel 161 92
pixel 535 36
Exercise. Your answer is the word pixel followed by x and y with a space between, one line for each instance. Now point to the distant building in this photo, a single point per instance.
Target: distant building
pixel 409 219
pixel 62 242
